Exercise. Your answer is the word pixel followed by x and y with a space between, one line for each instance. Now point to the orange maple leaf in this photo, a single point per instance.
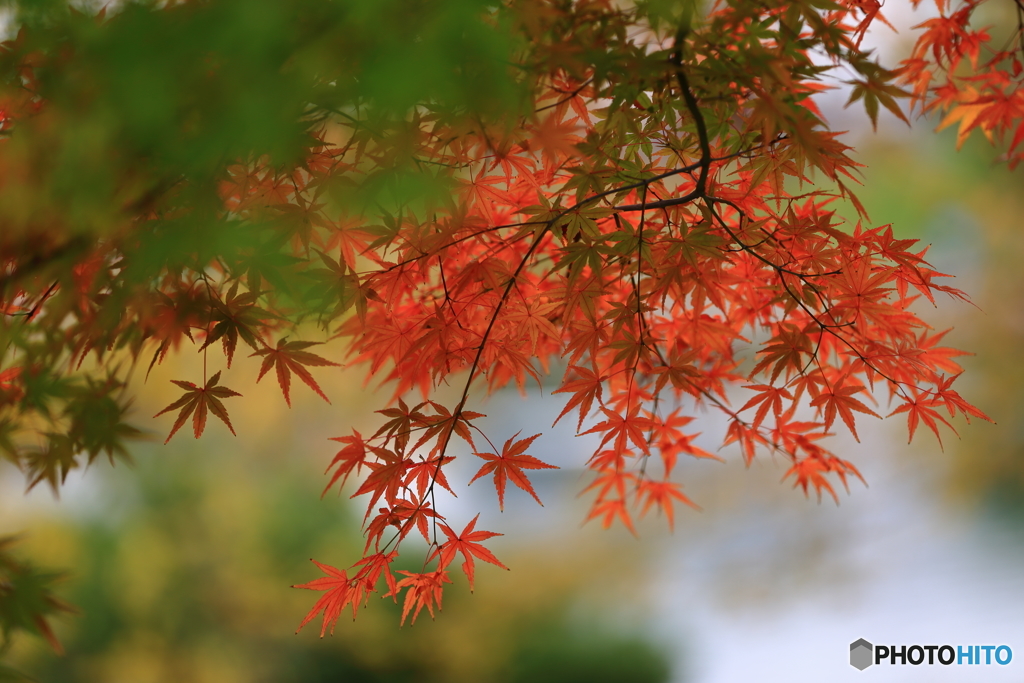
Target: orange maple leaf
pixel 919 409
pixel 584 390
pixel 770 398
pixel 812 471
pixel 610 509
pixel 967 113
pixel 623 429
pixel 339 594
pixel 840 400
pixel 510 465
pixel 424 590
pixel 467 543
pixel 660 494
pixel 349 459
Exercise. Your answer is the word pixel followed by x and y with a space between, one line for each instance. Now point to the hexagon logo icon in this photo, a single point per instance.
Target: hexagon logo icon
pixel 860 654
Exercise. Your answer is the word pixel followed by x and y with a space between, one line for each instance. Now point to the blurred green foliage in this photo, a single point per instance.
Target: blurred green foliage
pixel 140 103
pixel 27 600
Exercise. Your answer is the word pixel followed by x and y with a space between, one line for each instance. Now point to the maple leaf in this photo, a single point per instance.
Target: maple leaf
pixel 467 543
pixel 510 465
pixel 784 352
pixel 350 458
pixel 584 390
pixel 51 463
pixel 919 409
pixel 386 478
pixel 812 471
pixel 405 515
pixel 661 494
pixel 444 424
pixel 335 288
pixel 954 401
pixel 197 401
pixel 939 357
pixel 422 590
pixel 290 357
pixel 875 90
pixel 555 138
pixel 840 399
pixel 401 424
pixel 371 569
pixel 426 471
pixel 339 594
pixel 624 428
pixel 769 397
pixel 969 114
pixel 611 509
pixel 236 317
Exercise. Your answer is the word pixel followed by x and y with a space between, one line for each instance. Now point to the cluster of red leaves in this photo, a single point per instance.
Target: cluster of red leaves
pixel 973 78
pixel 647 285
pixel 637 230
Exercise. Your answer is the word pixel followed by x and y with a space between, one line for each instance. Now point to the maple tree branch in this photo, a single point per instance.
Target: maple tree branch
pixel 641 323
pixel 689 197
pixel 588 200
pixel 568 97
pixel 661 204
pixel 750 249
pixel 698 117
pixel 620 208
pixel 504 297
pixel 39 304
pixel 826 327
pixel 831 330
pixel 814 356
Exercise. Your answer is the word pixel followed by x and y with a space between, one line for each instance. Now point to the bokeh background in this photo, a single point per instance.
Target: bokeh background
pixel 181 565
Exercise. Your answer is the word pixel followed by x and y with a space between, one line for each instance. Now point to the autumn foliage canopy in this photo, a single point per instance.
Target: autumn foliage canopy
pixel 637 201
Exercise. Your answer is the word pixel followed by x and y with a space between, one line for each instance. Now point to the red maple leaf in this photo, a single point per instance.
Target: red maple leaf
pixel 196 402
pixel 289 357
pixel 350 458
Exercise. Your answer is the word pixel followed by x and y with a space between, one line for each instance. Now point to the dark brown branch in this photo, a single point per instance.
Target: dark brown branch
pixel 698 118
